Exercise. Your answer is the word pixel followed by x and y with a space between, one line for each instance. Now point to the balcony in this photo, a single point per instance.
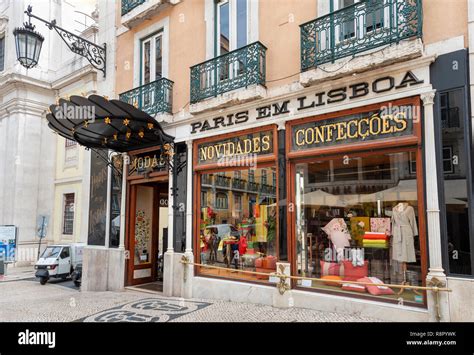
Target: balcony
pixel 222 181
pixel 241 68
pixel 358 28
pixel 129 5
pixel 268 189
pixel 238 184
pixel 253 186
pixel 135 12
pixel 153 98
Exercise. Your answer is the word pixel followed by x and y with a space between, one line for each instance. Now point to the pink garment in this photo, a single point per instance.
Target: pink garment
pixel 380 225
pixel 337 232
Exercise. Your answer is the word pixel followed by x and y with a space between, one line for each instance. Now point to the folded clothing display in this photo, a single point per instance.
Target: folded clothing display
pixel 375 240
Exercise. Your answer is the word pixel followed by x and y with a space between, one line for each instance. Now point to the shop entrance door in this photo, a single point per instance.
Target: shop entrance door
pixel 147 237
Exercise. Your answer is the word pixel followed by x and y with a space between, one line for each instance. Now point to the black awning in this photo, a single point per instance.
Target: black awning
pixel 98 123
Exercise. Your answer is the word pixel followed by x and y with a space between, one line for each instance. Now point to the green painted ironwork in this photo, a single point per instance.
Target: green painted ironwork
pixel 357 28
pixel 153 98
pixel 129 5
pixel 239 68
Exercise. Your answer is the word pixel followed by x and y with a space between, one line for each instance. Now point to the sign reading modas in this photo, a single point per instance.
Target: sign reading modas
pixel 230 150
pixel 145 163
pixel 354 128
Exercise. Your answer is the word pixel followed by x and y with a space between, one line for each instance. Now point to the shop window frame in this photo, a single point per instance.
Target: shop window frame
pixel 263 161
pixel 409 143
pixel 465 121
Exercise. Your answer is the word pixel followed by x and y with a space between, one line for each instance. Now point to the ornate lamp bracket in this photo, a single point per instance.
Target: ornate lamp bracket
pixel 96 55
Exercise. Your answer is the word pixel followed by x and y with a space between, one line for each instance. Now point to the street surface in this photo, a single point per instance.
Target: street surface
pixel 25 300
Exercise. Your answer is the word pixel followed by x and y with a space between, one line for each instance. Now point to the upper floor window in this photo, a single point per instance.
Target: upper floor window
pixel 152 58
pixel 70 143
pixel 368 21
pixel 264 177
pixel 232 25
pixel 2 53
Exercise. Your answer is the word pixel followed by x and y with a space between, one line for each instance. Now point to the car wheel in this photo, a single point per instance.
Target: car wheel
pixel 43 280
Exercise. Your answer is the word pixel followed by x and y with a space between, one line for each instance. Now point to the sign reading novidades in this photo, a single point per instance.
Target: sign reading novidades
pixel 358 90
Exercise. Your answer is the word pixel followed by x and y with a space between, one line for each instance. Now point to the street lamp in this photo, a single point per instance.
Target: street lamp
pixel 28 44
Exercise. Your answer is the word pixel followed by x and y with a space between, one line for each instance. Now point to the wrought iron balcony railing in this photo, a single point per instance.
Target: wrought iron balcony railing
pixel 239 68
pixel 238 184
pixel 223 181
pixel 129 5
pixel 153 98
pixel 267 189
pixel 358 28
pixel 252 186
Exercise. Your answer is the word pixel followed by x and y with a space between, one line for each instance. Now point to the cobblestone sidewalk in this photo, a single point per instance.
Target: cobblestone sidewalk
pixel 29 301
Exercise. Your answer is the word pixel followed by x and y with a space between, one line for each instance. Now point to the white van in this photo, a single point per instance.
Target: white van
pixel 59 261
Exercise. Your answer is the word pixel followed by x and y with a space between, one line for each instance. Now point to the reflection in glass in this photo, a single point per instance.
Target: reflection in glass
pixel 238 222
pixel 357 218
pixel 454 159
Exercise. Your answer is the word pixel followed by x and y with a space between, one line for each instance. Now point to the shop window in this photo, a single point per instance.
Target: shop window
pixel 455 181
pixel 68 214
pixel 363 226
pixel 115 201
pixel 241 235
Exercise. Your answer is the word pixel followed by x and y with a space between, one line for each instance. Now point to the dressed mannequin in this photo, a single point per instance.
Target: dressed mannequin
pixel 404 229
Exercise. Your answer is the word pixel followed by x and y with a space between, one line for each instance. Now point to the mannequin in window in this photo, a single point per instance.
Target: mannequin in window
pixel 404 230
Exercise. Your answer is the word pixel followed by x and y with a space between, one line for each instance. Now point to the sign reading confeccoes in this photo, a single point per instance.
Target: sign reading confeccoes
pixel 252 144
pixel 354 128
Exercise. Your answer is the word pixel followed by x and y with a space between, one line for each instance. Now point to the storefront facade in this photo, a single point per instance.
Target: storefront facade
pixel 330 176
pixel 317 184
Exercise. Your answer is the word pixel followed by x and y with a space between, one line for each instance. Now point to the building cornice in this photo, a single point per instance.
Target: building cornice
pixel 23 106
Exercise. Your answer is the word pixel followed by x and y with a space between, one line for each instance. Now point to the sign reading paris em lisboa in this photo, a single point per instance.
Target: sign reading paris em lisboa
pixel 301 104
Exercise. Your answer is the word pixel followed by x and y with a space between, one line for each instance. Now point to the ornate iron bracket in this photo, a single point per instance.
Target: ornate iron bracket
pixel 96 55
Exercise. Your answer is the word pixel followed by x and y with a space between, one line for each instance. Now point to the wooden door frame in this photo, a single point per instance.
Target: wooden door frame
pixel 158 188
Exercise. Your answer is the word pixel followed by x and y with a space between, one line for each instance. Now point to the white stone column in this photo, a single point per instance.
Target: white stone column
pixel 189 269
pixel 169 254
pixel 433 214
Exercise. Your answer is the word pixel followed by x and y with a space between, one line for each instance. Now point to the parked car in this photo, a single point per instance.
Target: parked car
pixel 59 261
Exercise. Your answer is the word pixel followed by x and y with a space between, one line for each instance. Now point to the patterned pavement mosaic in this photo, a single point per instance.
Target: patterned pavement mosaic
pixel 28 301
